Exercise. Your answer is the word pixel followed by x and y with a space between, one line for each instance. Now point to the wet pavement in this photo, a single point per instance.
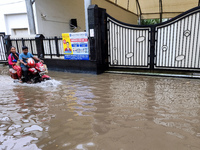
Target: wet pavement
pixel 104 112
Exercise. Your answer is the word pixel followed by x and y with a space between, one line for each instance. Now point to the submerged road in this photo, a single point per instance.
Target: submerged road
pixel 108 111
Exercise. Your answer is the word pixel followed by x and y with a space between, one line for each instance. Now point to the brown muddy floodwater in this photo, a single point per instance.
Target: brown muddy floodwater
pixel 104 112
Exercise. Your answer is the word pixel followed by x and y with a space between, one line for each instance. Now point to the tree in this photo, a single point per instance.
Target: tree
pixel 150 21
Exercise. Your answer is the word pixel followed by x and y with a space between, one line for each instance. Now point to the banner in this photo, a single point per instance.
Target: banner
pixel 75 46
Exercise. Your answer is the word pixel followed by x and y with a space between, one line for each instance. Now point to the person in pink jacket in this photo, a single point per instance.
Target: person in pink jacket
pixel 12 60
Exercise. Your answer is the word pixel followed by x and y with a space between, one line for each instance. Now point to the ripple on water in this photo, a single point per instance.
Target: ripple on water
pixel 100 112
pixel 84 146
pixel 33 128
pixel 19 120
pixel 45 86
pixel 23 143
pixel 7 82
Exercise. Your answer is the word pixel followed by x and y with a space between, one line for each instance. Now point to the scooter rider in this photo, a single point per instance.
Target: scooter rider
pixel 23 57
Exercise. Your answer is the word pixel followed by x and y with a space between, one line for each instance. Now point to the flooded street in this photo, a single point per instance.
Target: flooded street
pixel 104 112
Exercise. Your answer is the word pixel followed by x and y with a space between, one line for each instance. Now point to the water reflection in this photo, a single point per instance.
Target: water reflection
pixel 14 128
pixel 23 114
pixel 109 111
pixel 74 116
pixel 178 108
pixel 136 113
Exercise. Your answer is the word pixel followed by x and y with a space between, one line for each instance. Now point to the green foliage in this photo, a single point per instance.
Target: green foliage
pixel 149 21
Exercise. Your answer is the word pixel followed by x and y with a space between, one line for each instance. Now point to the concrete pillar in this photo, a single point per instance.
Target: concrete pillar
pixel 30 15
pixel 98 37
pixel 87 4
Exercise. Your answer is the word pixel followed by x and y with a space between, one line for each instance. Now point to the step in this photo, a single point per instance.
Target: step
pixel 192 75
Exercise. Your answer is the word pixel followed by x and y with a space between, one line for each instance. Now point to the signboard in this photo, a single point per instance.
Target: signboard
pixel 75 46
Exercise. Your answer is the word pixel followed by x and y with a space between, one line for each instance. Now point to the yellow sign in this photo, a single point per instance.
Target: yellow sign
pixel 67 44
pixel 75 46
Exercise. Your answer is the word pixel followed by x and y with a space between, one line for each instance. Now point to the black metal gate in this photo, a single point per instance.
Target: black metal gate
pixel 129 45
pixel 3 52
pixel 173 45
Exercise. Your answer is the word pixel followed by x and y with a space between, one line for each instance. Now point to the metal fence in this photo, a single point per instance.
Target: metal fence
pixel 3 51
pixel 53 47
pixel 30 43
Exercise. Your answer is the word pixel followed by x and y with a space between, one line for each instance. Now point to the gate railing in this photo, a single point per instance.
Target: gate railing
pixel 173 45
pixel 129 45
pixel 178 42
pixel 3 52
pixel 53 47
pixel 49 47
pixel 19 43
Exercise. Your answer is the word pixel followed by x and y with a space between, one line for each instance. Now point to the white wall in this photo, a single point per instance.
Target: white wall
pixel 53 16
pixel 16 22
pixel 12 15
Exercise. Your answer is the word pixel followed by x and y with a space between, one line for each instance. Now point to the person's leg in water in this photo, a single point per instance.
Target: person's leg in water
pixel 25 73
pixel 19 72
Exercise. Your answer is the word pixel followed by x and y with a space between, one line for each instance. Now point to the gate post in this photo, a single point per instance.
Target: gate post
pixel 8 44
pixel 57 48
pixel 152 48
pixel 39 44
pixel 98 36
pixel 104 39
pixel 93 31
pixel 23 42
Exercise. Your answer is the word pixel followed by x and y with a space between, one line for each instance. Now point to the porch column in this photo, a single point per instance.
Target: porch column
pixel 87 4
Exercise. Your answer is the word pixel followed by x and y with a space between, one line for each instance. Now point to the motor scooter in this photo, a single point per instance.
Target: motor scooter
pixel 36 72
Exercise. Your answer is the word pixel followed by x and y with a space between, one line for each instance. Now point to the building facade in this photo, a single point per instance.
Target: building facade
pixel 54 17
pixel 13 17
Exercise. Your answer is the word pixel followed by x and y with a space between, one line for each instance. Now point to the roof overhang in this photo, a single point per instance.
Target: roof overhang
pixel 151 9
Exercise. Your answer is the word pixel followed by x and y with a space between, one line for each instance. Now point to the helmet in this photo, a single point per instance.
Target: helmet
pixel 31 63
